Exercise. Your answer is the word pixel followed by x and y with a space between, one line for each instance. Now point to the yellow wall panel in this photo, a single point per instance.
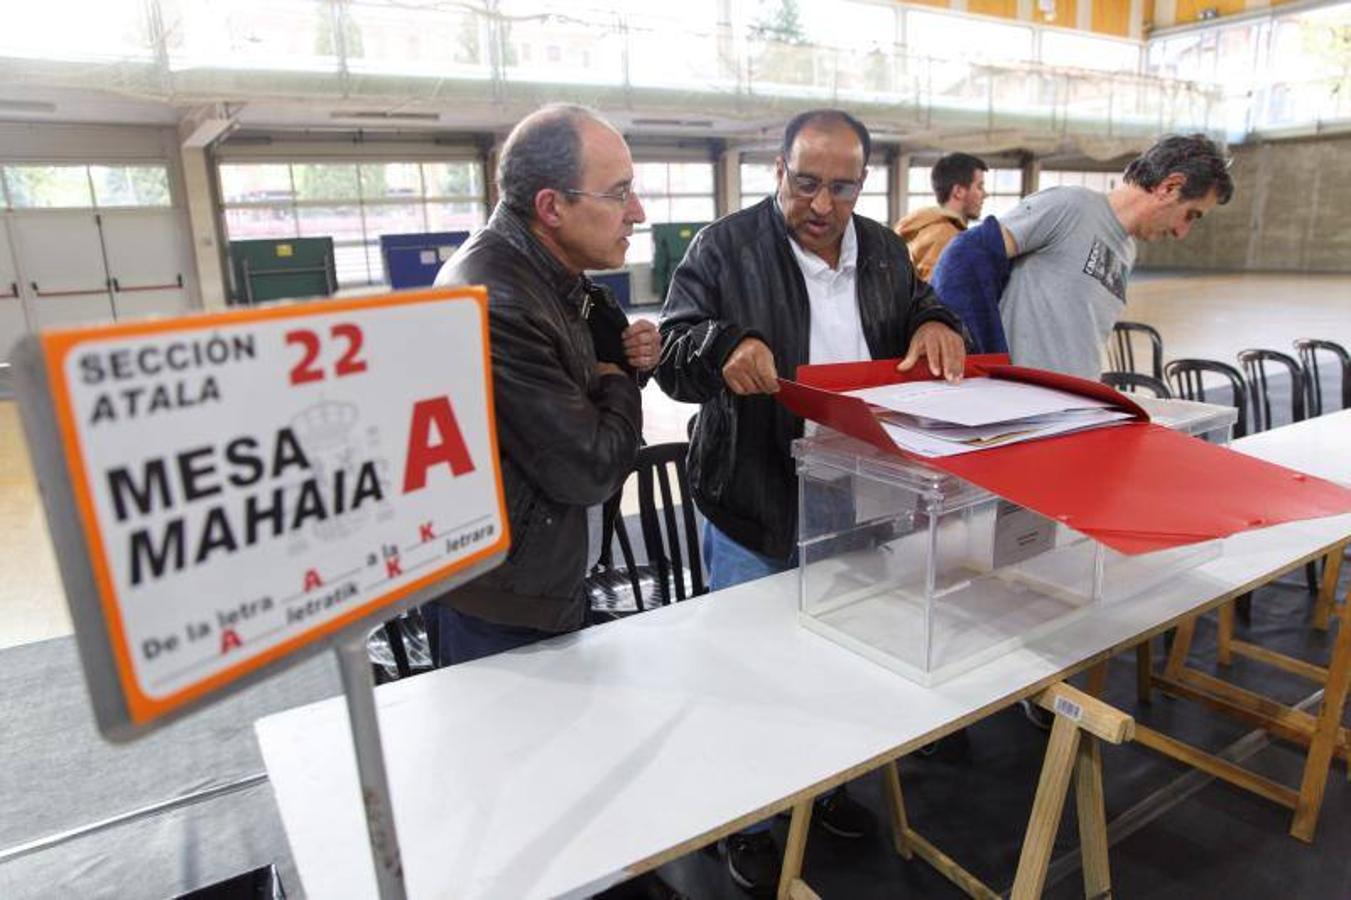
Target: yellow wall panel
pixel 1005 9
pixel 1112 17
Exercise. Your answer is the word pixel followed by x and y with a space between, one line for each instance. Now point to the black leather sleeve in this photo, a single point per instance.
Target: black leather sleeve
pixel 576 445
pixel 695 339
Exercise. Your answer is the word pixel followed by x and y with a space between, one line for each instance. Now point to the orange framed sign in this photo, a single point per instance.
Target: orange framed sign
pixel 229 491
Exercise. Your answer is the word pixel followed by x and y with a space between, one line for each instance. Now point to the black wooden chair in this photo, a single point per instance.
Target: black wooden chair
pixel 1121 349
pixel 1259 366
pixel 1133 382
pixel 1256 364
pixel 1187 377
pixel 1308 350
pixel 401 647
pixel 672 570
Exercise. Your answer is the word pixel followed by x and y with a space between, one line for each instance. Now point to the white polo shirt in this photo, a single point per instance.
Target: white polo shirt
pixel 836 329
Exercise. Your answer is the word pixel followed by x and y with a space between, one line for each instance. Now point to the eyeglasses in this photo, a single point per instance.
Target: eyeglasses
pixel 621 196
pixel 808 186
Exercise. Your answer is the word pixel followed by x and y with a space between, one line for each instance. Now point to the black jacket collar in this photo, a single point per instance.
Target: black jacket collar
pixel 507 223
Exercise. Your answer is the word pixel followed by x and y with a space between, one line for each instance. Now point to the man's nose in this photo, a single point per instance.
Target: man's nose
pixel 635 212
pixel 821 202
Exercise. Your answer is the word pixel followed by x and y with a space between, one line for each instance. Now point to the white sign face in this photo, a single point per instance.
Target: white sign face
pixel 251 482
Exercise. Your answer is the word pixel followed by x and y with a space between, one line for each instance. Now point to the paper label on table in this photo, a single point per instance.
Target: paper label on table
pixel 1069 709
pixel 1020 534
pixel 251 482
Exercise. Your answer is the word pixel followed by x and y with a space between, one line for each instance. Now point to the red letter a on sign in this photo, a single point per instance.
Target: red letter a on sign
pixel 423 454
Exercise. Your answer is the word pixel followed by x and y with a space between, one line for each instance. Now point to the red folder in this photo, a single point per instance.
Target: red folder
pixel 1136 487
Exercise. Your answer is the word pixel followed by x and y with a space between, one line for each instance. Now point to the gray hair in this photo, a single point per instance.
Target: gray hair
pixel 543 151
pixel 1194 156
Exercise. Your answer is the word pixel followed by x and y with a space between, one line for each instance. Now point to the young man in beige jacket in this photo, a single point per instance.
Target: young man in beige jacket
pixel 959 186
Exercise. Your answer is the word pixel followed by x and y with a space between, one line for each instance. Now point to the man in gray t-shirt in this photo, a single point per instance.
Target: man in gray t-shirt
pixel 1072 250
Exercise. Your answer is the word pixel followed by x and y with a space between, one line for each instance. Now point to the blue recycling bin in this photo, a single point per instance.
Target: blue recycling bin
pixel 619 284
pixel 412 260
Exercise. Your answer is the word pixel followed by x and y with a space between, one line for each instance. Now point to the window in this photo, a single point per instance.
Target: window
pixel 353 203
pixel 960 37
pixel 1098 181
pixel 670 192
pixel 1079 51
pixel 1003 190
pixel 86 187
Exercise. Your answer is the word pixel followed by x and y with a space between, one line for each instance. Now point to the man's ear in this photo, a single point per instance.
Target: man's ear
pixel 1171 186
pixel 547 202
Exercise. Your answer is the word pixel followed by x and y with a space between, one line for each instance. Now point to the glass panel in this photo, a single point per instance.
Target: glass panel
pixel 640 248
pixel 418 37
pixel 998 206
pixel 657 209
pixel 336 222
pixel 691 178
pixel 276 35
pixel 395 218
pixel 878 177
pixel 1005 181
pixel 454 216
pixel 326 181
pixel 1077 51
pixel 955 37
pixel 255 183
pixel 77 30
pixel 651 179
pixel 453 179
pixel 757 179
pixel 691 209
pixel 255 222
pixel 918 201
pixel 390 180
pixel 874 207
pixel 130 185
pixel 48 186
pixel 352 262
pixel 749 200
pixel 919 181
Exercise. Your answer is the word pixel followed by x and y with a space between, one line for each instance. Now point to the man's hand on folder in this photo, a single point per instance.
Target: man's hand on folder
pixel 943 347
pixel 750 369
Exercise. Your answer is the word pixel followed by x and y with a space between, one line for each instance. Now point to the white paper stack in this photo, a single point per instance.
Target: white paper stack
pixel 934 418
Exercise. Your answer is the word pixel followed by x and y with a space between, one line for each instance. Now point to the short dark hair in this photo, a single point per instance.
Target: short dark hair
pixel 543 151
pixel 826 117
pixel 1194 156
pixel 953 170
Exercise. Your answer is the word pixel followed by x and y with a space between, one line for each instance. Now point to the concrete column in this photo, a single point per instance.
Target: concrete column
pixel 1031 174
pixel 197 132
pixel 727 182
pixel 899 171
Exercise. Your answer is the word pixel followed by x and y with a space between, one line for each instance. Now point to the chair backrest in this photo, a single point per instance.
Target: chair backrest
pixel 1121 348
pixel 1132 382
pixel 1308 348
pixel 1188 379
pixel 670 535
pixel 1255 365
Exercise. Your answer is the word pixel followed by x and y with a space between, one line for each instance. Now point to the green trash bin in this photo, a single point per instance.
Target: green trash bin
pixel 669 242
pixel 291 268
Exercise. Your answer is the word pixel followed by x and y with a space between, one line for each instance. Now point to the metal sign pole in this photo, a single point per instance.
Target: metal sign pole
pixel 360 690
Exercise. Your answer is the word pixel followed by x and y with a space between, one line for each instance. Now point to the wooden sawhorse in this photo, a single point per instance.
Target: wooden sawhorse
pixel 1073 753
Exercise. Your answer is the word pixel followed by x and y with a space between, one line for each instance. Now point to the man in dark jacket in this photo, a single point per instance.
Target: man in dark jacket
pixel 797 278
pixel 568 424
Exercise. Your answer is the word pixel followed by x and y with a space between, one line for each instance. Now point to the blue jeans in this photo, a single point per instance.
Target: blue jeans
pixel 462 638
pixel 728 563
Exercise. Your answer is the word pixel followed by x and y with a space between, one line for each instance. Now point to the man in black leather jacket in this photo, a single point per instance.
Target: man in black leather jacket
pixel 738 314
pixel 568 423
pixel 796 278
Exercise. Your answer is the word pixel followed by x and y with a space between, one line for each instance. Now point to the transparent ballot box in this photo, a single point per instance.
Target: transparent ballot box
pixel 1208 421
pixel 930 575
